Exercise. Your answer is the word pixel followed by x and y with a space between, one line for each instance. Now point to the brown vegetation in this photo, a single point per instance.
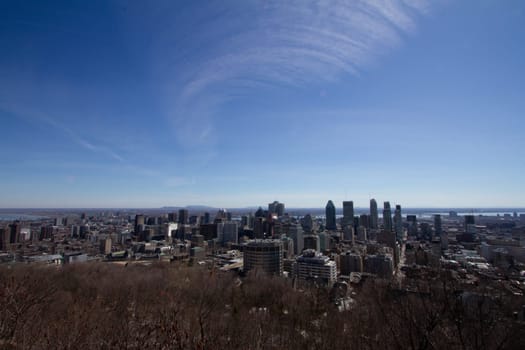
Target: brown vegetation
pixel 158 307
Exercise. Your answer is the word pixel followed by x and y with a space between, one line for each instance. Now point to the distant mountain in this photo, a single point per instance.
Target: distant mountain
pixel 192 208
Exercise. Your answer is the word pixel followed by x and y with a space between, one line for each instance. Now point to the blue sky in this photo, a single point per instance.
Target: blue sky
pixel 239 103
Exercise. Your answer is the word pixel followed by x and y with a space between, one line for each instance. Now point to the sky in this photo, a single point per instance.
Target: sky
pixel 240 103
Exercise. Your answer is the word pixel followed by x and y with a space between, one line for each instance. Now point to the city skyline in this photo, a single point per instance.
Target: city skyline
pixel 112 105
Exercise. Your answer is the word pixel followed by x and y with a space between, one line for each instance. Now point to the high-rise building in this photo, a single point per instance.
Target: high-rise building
pixel 222 215
pixel 438 228
pixel 374 218
pixel 324 241
pixel 379 264
pixel 307 223
pixel 227 232
pixel 412 226
pixel 276 208
pixel 315 267
pixel 260 213
pixel 4 238
pixel 348 233
pixel 295 231
pixel 469 222
pixel 139 222
pixel 348 213
pixel 424 231
pixel 350 262
pixel 361 234
pixel 398 222
pixel 280 209
pixel 58 221
pixel 443 236
pixel 172 217
pixel 264 255
pixel 364 220
pixel 208 231
pixel 259 227
pixel 46 232
pixel 206 218
pixel 312 242
pixel 14 229
pixel 194 220
pixel 105 246
pixel 330 216
pixel 183 217
pixel 387 217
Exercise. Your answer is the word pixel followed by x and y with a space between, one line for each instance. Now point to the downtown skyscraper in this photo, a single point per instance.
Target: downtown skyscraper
pixel 330 216
pixel 374 217
pixel 387 217
pixel 348 213
pixel 398 223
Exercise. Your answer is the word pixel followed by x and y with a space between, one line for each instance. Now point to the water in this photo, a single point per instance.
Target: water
pixel 21 217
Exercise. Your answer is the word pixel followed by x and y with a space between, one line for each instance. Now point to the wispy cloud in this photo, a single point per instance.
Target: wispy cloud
pixel 81 141
pixel 32 115
pixel 283 43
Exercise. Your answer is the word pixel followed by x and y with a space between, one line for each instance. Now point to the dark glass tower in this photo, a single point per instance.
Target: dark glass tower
pixel 348 213
pixel 387 217
pixel 373 214
pixel 330 216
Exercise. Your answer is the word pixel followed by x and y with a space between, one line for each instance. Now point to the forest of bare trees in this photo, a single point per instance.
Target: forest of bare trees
pixel 101 306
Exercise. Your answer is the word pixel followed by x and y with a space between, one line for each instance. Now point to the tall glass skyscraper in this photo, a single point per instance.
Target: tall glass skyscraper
pixel 387 217
pixel 330 216
pixel 348 213
pixel 398 221
pixel 374 218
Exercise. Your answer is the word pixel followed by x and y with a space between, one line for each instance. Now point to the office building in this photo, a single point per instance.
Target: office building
pixel 374 217
pixel 315 267
pixel 140 221
pixel 350 262
pixel 208 231
pixel 15 232
pixel 183 218
pixel 398 222
pixel 312 242
pixel 264 255
pixel 227 232
pixel 222 215
pixel 470 224
pixel 424 231
pixel 412 226
pixel 364 220
pixel 295 232
pixel 46 232
pixel 307 223
pixel 330 216
pixel 324 241
pixel 260 213
pixel 105 246
pixel 387 217
pixel 348 233
pixel 276 208
pixel 4 238
pixel 381 265
pixel 348 213
pixel 57 221
pixel 438 228
pixel 172 217
pixel 259 226
pixel 362 234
